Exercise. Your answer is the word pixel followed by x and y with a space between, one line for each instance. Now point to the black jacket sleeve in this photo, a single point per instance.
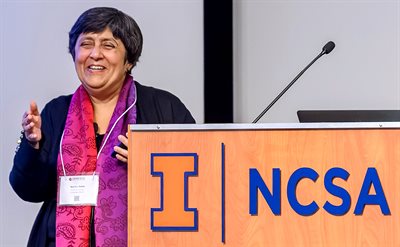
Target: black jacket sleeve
pixel 33 175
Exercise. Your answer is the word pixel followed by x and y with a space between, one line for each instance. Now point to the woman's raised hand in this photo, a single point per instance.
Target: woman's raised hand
pixel 31 123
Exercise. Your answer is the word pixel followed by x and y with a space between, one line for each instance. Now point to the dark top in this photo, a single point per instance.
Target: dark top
pixel 34 177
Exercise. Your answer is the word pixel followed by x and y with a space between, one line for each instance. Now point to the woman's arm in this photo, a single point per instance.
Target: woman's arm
pixel 34 173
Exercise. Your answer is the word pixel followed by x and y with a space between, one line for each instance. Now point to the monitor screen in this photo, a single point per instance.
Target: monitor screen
pixel 320 116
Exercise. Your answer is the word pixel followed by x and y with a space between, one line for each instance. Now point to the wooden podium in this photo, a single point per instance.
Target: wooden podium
pixel 202 185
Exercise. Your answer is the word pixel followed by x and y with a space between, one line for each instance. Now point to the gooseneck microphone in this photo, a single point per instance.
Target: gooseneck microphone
pixel 325 50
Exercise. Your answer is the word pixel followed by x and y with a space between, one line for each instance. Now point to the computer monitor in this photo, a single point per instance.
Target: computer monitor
pixel 313 116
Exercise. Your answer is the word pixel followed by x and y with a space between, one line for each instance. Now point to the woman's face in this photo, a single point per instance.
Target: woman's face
pixel 100 62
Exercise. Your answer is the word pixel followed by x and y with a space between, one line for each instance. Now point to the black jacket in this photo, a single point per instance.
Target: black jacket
pixel 34 176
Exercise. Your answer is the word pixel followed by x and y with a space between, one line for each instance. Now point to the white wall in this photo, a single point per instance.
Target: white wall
pixel 35 64
pixel 274 40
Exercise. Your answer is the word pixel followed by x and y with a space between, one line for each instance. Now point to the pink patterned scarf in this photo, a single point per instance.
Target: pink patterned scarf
pixel 80 157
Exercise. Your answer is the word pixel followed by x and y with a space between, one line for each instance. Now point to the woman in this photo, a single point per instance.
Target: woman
pixel 75 135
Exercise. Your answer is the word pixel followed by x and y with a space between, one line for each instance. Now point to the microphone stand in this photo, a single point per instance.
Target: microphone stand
pixel 324 51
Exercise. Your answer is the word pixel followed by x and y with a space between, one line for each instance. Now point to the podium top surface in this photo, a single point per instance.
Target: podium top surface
pixel 263 126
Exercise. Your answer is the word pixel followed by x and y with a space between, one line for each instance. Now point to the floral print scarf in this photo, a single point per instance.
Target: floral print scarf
pixel 80 157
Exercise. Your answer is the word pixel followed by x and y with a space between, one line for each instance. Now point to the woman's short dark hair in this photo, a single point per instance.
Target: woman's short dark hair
pixel 122 26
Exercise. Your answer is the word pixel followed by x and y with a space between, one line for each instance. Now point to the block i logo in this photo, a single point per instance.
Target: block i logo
pixel 174 170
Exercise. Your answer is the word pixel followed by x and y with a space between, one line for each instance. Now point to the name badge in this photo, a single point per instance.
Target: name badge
pixel 78 190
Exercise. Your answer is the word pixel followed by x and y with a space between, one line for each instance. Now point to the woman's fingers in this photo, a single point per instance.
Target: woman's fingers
pixel 31 124
pixel 28 126
pixel 121 158
pixel 34 109
pixel 122 153
pixel 35 114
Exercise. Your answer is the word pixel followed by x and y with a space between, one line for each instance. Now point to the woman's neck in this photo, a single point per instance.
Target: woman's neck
pixel 103 108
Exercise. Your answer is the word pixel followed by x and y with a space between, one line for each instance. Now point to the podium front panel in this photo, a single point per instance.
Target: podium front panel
pixel 264 185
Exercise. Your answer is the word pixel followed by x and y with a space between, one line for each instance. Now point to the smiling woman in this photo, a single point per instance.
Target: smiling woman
pixel 75 135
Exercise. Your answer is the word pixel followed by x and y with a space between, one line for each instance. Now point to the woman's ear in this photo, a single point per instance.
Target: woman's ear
pixel 128 67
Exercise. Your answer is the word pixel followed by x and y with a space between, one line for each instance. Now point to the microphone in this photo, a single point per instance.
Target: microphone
pixel 96 127
pixel 328 47
pixel 121 145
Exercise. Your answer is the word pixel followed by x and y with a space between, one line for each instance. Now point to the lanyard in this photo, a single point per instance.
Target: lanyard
pixel 105 141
